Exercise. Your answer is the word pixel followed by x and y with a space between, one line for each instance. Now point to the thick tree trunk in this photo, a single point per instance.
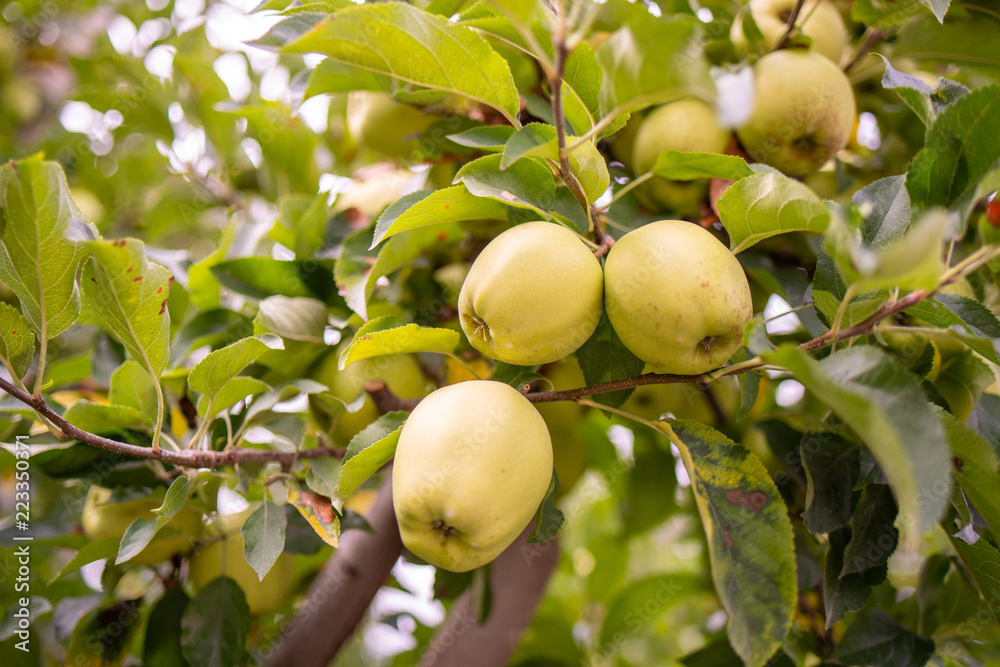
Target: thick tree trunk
pixel 342 592
pixel 518 580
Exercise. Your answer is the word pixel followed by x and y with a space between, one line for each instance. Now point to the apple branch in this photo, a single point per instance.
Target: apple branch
pixel 790 28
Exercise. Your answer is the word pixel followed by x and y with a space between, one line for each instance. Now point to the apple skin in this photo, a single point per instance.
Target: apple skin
pixel 533 295
pixel 225 556
pixel 473 464
pixel 676 297
pixel 378 122
pixel 803 112
pixel 818 20
pixel 685 125
pixel 102 519
pixel 401 374
pixel 563 420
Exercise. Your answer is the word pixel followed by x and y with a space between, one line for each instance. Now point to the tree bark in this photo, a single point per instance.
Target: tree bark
pixel 517 581
pixel 342 592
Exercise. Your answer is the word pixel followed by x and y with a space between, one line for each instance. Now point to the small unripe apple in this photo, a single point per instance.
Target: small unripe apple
pixel 401 373
pixel 472 465
pixel 818 20
pixel 225 557
pixel 102 519
pixel 803 112
pixel 533 295
pixel 685 125
pixel 378 122
pixel 676 297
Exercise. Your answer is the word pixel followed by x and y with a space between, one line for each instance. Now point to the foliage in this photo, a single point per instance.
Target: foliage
pixel 205 261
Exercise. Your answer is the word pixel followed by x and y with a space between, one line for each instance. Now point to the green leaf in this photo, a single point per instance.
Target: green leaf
pixel 848 593
pixel 666 590
pixel 104 635
pixel 104 418
pixel 604 358
pixel 764 205
pixel 749 537
pixel 41 247
pixel 935 312
pixel 983 561
pixel 652 60
pixel 454 204
pixel 162 644
pixel 17 341
pixel 131 386
pixel 689 166
pixel 216 376
pixel 368 451
pixel 913 91
pixel 88 553
pixel 525 184
pixel 409 44
pixel 264 537
pixel 215 625
pixel 293 318
pixel 130 293
pixel 203 286
pixel 873 535
pixel 141 531
pixel 831 465
pixel 389 335
pixel 885 406
pixel 885 207
pixel 976 470
pixel 938 7
pixel 961 147
pixel 261 277
pixel 549 519
pixel 486 138
pixel 332 76
pixel 876 639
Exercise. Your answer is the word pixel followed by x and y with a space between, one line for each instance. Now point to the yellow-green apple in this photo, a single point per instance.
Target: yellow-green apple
pixel 563 420
pixel 225 556
pixel 803 112
pixel 620 145
pixel 818 19
pixel 676 297
pixel 533 295
pixel 685 125
pixel 684 400
pixel 102 519
pixel 472 465
pixel 401 373
pixel 378 122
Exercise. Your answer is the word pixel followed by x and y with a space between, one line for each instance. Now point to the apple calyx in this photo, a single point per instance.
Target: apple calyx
pixel 445 530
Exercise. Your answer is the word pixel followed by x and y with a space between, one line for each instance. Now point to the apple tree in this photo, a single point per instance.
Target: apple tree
pixel 500 332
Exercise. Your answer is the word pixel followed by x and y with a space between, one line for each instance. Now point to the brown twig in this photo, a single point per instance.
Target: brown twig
pixel 872 37
pixel 789 26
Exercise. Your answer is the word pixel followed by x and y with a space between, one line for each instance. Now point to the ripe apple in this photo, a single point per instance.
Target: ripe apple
pixel 685 125
pixel 676 297
pixel 102 519
pixel 803 112
pixel 225 557
pixel 532 296
pixel 401 374
pixel 818 20
pixel 563 419
pixel 473 464
pixel 378 122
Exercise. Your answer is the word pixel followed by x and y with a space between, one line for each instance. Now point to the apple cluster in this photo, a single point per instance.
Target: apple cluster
pixel 675 295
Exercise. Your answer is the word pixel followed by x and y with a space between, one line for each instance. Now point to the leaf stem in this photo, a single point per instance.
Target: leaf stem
pixel 634 183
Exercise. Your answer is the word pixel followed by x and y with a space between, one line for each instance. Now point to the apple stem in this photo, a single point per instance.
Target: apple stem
pixel 790 28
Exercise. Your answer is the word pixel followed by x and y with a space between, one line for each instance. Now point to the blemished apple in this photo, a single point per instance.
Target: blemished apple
pixel 533 295
pixel 818 19
pixel 102 519
pixel 685 125
pixel 225 557
pixel 380 123
pixel 472 465
pixel 803 112
pixel 676 297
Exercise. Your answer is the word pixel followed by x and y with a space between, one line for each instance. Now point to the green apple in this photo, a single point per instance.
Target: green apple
pixel 685 125
pixel 402 374
pixel 225 557
pixel 818 20
pixel 676 297
pixel 378 122
pixel 473 464
pixel 102 519
pixel 684 400
pixel 803 112
pixel 533 295
pixel 620 145
pixel 563 419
